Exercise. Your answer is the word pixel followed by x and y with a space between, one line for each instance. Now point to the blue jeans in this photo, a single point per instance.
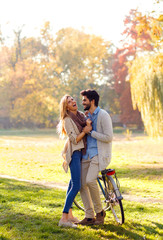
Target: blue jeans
pixel 75 182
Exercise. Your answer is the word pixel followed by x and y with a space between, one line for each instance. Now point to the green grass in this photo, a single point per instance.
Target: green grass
pixel 139 164
pixel 32 212
pixel 27 132
pixel 33 155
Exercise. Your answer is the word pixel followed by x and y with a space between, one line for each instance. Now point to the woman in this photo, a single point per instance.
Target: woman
pixel 73 124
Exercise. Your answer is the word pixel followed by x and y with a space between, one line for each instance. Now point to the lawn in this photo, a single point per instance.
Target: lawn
pixel 33 155
pixel 29 211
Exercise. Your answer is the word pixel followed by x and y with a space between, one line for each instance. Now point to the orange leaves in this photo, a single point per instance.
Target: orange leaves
pixel 160 19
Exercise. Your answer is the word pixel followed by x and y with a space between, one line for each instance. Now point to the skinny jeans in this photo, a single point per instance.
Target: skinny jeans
pixel 75 181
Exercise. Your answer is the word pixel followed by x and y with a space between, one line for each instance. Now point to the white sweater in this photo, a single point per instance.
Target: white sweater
pixel 104 136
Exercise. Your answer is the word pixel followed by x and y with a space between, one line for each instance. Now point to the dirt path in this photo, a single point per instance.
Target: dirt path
pixel 64 187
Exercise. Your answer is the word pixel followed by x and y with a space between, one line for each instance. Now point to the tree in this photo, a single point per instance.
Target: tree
pixel 81 58
pixel 122 87
pixel 33 105
pixel 26 84
pixel 36 73
pixel 146 78
pixel 136 41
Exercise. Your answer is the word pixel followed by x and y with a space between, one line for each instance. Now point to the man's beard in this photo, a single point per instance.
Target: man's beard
pixel 87 107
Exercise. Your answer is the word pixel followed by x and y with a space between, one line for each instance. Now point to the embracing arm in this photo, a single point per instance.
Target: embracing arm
pixel 85 130
pixel 74 138
pixel 80 136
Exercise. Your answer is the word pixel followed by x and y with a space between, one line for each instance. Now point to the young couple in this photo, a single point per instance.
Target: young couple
pixel 87 151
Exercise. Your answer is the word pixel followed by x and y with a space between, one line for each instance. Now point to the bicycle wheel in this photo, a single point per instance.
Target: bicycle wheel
pixel 78 202
pixel 115 203
pixel 105 205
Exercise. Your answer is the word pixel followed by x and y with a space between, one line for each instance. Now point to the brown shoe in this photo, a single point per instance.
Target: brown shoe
pixel 87 221
pixel 100 218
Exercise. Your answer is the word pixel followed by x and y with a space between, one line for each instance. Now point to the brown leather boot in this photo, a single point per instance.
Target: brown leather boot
pixel 100 218
pixel 86 221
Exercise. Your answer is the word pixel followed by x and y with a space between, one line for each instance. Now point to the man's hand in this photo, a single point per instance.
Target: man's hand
pixel 87 129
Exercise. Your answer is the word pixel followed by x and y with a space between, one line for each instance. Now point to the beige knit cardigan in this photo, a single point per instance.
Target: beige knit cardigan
pixel 70 145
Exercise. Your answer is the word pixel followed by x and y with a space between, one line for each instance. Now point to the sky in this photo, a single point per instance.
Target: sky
pixel 100 17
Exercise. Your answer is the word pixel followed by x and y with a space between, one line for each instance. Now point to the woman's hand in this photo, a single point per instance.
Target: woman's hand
pixel 87 129
pixel 65 166
pixel 88 122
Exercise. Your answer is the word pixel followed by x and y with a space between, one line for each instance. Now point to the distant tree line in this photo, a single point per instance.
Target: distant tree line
pixel 36 72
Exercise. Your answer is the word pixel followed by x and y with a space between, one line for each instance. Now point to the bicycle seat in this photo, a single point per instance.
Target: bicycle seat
pixel 108 171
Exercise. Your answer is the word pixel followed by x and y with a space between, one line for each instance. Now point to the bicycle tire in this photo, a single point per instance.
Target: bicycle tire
pixel 105 205
pixel 115 203
pixel 78 202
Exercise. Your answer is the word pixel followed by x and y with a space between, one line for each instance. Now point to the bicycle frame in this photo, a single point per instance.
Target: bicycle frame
pixel 101 186
pixel 116 189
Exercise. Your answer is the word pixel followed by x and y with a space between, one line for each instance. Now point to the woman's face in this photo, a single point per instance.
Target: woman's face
pixel 71 104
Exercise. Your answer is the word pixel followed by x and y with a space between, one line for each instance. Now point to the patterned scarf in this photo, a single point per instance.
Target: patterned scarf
pixel 80 122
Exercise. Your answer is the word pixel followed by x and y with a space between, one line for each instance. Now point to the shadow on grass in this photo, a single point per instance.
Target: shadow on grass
pixel 3 238
pixel 32 212
pixel 159 225
pixel 23 192
pixel 118 231
pixel 139 173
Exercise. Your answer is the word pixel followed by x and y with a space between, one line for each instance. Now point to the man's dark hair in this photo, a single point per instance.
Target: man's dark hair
pixel 91 95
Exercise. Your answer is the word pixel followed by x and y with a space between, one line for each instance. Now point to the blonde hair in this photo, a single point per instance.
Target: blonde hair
pixel 63 113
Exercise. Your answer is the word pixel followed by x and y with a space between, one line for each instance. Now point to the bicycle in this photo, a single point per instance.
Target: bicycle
pixel 111 197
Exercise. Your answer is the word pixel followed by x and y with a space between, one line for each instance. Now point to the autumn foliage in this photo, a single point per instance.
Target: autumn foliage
pixel 36 72
pixel 135 41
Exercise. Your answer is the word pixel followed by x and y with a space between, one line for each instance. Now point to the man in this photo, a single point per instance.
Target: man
pixel 97 157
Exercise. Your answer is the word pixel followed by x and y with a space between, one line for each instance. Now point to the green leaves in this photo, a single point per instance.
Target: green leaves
pixel 146 78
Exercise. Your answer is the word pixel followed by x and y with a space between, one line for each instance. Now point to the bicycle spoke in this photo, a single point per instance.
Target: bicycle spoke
pixel 115 204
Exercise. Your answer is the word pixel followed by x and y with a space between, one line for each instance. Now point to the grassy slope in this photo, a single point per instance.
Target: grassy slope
pixel 31 212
